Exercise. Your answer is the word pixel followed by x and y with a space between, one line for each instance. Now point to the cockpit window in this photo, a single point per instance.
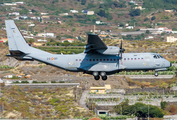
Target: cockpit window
pixel 157 56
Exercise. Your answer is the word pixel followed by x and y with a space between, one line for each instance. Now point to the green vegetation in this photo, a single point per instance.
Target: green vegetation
pixel 160 4
pixel 139 110
pixel 147 73
pixel 135 12
pixel 34 103
pixel 5 67
pixel 24 82
pixel 64 50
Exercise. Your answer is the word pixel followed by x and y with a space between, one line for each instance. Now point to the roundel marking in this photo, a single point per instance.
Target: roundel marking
pixel 52 58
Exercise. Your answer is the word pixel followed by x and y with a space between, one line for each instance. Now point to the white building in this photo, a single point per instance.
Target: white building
pixel 171 39
pixel 46 35
pixel 73 11
pixel 129 27
pixel 40 40
pixel 44 13
pixel 14 13
pixel 31 25
pixel 139 7
pixel 33 18
pixel 9 4
pixel 162 28
pixel 17 18
pixel 149 37
pixel 19 2
pixel 99 22
pixel 64 14
pixel 90 13
pixel 174 32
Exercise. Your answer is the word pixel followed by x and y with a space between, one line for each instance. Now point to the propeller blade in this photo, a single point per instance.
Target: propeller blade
pixel 121 51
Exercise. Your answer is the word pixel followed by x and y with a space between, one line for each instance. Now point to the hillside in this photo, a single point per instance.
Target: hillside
pixel 111 12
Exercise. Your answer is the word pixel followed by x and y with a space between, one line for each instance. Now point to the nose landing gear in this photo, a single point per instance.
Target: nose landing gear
pixel 156 74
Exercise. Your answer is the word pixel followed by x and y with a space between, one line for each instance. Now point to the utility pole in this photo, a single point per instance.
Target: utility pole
pixel 44 34
pixel 148 110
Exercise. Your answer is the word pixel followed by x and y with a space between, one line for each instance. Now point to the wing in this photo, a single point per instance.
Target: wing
pixel 94 43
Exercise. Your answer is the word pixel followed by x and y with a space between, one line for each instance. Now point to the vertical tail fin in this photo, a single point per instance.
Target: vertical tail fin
pixel 15 39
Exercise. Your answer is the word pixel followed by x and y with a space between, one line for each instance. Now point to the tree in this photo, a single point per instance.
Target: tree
pixel 109 16
pixel 146 19
pixel 153 18
pixel 83 2
pixel 147 32
pixel 58 37
pixel 141 110
pixel 52 40
pixel 163 104
pixel 31 41
pixel 135 12
pixel 122 107
pixel 101 13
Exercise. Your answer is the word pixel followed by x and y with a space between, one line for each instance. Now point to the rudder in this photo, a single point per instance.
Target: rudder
pixel 15 39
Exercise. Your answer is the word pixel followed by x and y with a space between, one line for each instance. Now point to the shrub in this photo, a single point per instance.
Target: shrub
pixel 24 82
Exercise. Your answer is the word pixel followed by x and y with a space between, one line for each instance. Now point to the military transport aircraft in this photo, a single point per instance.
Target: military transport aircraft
pixel 97 59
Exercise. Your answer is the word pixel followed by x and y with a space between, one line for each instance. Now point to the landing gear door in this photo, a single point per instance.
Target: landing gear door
pixel 147 61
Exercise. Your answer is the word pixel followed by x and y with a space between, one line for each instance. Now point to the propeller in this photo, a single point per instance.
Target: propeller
pixel 121 51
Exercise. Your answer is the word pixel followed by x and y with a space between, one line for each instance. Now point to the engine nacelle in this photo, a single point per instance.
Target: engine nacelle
pixel 111 50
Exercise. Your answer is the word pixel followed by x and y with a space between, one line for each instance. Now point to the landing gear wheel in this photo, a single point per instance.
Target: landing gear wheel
pixel 103 74
pixel 156 74
pixel 96 77
pixel 104 77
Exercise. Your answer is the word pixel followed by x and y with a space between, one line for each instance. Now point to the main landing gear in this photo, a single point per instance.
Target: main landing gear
pixel 97 75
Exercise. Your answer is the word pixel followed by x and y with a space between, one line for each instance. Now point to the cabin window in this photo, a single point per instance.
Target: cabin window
pixel 141 58
pixel 134 58
pixel 90 59
pixel 100 59
pixel 128 58
pixel 138 58
pixel 76 60
pixel 124 58
pixel 107 59
pixel 87 60
pixel 114 59
pixel 96 59
pixel 79 59
pixel 110 59
pixel 93 59
pixel 131 58
pixel 103 59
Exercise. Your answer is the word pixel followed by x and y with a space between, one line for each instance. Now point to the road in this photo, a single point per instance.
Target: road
pixel 147 76
pixel 83 99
